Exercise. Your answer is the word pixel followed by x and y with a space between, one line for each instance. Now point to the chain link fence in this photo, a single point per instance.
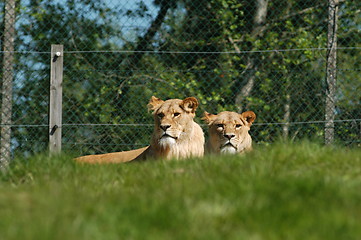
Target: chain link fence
pixel 270 57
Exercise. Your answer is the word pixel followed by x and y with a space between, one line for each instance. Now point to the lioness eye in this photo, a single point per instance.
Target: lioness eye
pixel 160 115
pixel 220 125
pixel 238 125
pixel 176 114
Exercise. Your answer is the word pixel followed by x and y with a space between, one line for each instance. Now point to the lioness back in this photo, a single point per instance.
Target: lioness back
pixel 116 157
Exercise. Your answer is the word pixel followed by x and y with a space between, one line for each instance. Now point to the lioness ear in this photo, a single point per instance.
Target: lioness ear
pixel 154 102
pixel 249 116
pixel 189 104
pixel 208 117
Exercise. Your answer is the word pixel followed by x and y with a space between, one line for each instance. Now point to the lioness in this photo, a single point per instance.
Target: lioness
pixel 175 134
pixel 228 132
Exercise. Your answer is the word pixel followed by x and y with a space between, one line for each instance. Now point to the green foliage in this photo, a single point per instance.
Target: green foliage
pixel 207 49
pixel 78 26
pixel 279 75
pixel 284 191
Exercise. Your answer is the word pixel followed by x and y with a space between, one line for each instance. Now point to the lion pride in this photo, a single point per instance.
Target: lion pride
pixel 175 134
pixel 228 132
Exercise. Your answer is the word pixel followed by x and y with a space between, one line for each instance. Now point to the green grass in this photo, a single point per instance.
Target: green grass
pixel 285 191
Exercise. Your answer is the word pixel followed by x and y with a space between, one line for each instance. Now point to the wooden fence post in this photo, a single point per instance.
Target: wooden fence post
pixel 56 92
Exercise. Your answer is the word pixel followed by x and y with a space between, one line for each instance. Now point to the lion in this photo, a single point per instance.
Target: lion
pixel 175 134
pixel 228 132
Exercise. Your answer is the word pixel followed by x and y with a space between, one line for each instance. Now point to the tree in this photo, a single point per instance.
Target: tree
pixel 7 82
pixel 331 71
pixel 91 79
pixel 249 76
pixel 232 55
pixel 256 70
pixel 78 26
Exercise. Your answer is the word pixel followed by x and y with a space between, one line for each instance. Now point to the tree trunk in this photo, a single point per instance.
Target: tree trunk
pixel 7 83
pixel 287 104
pixel 286 116
pixel 131 62
pixel 331 71
pixel 259 21
pixel 252 68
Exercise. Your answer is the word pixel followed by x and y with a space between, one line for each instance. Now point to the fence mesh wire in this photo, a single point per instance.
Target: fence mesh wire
pixel 266 56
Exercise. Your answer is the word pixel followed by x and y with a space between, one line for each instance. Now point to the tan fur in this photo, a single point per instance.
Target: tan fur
pixel 175 134
pixel 228 132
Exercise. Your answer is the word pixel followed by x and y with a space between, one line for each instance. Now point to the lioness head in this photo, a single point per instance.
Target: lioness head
pixel 228 131
pixel 174 128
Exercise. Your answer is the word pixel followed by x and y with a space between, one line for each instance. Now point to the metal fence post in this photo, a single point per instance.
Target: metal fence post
pixel 56 91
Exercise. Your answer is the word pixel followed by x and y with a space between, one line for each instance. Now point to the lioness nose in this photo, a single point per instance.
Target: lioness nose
pixel 164 127
pixel 229 136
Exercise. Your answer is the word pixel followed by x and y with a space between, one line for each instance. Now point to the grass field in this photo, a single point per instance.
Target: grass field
pixel 285 191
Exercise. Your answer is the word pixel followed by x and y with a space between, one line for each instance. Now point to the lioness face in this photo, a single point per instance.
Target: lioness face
pixel 172 118
pixel 228 131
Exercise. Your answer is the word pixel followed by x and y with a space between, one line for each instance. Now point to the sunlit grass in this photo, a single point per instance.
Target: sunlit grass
pixel 285 191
